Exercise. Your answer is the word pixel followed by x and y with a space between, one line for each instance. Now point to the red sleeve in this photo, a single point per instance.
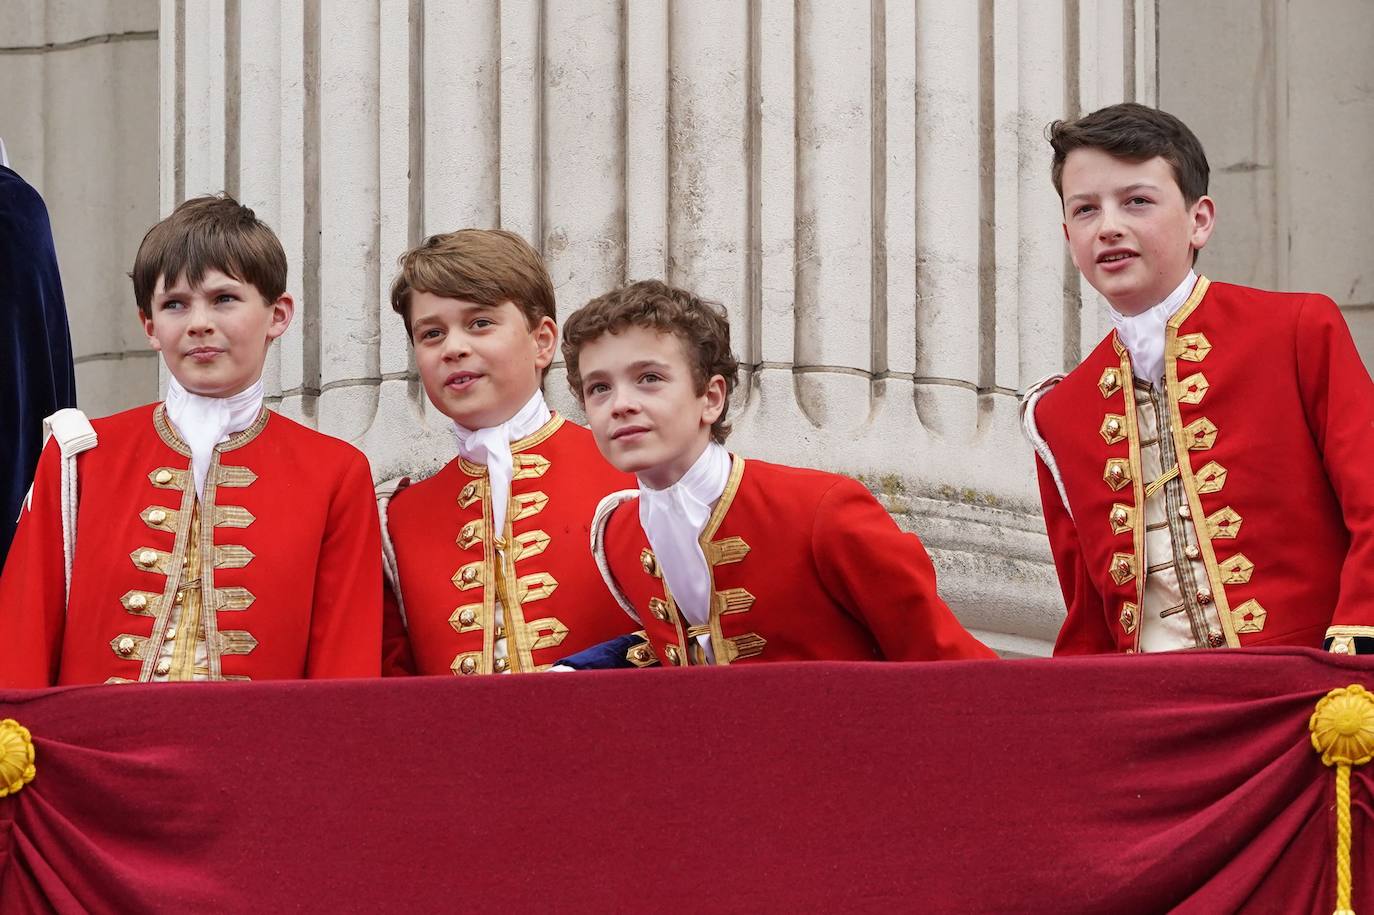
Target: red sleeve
pixel 1085 628
pixel 33 587
pixel 885 578
pixel 346 622
pixel 397 658
pixel 1338 399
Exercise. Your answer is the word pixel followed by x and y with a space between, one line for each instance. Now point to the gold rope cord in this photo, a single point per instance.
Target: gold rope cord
pixel 1343 733
pixel 16 757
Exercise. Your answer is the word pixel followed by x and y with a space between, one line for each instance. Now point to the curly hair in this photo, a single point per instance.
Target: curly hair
pixel 700 325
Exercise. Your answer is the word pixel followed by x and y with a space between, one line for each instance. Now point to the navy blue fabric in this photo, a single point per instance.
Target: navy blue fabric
pixel 36 374
pixel 607 655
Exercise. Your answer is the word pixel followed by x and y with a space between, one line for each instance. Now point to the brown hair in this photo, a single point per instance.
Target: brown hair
pixel 1136 133
pixel 700 325
pixel 209 233
pixel 486 266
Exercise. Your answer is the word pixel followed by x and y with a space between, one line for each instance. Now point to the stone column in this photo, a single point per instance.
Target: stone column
pixel 78 114
pixel 865 187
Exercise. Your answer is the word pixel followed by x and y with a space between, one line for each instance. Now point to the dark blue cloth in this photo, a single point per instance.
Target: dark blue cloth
pixel 36 374
pixel 606 655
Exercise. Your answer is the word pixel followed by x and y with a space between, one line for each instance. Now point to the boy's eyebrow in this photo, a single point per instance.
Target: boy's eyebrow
pixel 1138 186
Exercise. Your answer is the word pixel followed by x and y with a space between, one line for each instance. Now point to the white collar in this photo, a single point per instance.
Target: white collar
pixel 491 446
pixel 674 518
pixel 203 422
pixel 1143 334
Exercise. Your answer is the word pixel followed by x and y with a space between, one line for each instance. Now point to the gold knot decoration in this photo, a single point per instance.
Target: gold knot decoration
pixel 16 757
pixel 1343 733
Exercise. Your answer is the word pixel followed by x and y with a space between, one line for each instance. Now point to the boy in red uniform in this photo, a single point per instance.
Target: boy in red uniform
pixel 1205 473
pixel 488 558
pixel 212 539
pixel 725 560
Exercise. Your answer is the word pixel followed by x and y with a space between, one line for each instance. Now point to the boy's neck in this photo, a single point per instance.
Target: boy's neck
pixel 528 404
pixel 254 386
pixel 1189 278
pixel 671 472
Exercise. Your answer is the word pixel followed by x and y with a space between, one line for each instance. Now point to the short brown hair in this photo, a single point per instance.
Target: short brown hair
pixel 486 266
pixel 1136 133
pixel 209 233
pixel 701 326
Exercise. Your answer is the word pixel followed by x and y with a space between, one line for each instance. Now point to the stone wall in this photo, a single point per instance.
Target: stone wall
pixel 79 116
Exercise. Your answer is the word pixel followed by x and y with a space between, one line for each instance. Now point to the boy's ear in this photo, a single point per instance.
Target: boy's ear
pixel 283 309
pixel 545 335
pixel 147 323
pixel 1204 217
pixel 714 400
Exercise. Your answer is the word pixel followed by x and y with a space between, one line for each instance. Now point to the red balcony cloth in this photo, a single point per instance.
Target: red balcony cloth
pixel 1113 784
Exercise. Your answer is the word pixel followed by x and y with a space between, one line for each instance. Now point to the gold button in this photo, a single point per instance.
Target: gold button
pixel 1123 565
pixel 639 653
pixel 171 632
pixel 673 656
pixel 176 599
pixel 164 667
pixel 1113 427
pixel 157 516
pixel 126 646
pixel 467 531
pixel 467 492
pixel 1204 596
pixel 502 665
pixel 163 476
pixel 146 558
pixel 1119 516
pixel 1185 512
pixel 659 613
pixel 1340 647
pixel 1216 639
pixel 647 560
pixel 468 665
pixel 469 574
pixel 138 602
pixel 1192 551
pixel 467 617
pixel 1117 471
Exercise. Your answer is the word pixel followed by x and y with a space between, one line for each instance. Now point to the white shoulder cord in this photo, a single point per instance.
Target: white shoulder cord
pixel 74 434
pixel 385 493
pixel 1032 432
pixel 604 510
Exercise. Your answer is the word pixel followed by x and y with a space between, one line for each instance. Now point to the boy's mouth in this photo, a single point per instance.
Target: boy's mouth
pixel 204 353
pixel 1116 257
pixel 628 432
pixel 461 381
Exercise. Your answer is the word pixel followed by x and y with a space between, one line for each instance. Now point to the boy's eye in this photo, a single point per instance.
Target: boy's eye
pixel 225 297
pixel 482 322
pixel 650 377
pixel 428 333
pixel 598 387
pixel 169 305
pixel 1137 201
pixel 1085 208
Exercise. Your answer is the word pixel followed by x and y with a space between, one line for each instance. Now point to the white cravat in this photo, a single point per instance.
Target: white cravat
pixel 673 520
pixel 203 422
pixel 491 446
pixel 1143 334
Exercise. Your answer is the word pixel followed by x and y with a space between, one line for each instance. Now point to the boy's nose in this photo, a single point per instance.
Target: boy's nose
pixel 1108 227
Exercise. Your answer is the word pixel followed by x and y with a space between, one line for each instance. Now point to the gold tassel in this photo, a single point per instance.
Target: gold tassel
pixel 1343 733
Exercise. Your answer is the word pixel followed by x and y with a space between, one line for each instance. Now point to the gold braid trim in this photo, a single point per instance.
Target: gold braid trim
pixel 1343 733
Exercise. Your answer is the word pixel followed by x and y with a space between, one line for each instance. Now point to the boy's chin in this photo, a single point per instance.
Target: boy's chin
pixel 212 387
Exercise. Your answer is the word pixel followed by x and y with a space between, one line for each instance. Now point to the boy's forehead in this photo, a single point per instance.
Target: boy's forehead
pixel 1090 170
pixel 213 276
pixel 433 305
pixel 631 346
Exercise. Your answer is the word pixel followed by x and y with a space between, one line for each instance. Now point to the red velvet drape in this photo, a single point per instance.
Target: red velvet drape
pixel 1126 785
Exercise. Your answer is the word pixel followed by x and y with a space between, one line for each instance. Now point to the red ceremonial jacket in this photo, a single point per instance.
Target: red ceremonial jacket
pixel 1275 413
pixel 451 574
pixel 805 565
pixel 285 543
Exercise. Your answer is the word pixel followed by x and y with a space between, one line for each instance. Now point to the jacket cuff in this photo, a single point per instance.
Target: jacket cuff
pixel 1349 640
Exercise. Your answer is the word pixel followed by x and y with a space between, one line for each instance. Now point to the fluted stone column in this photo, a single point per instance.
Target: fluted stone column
pixel 865 188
